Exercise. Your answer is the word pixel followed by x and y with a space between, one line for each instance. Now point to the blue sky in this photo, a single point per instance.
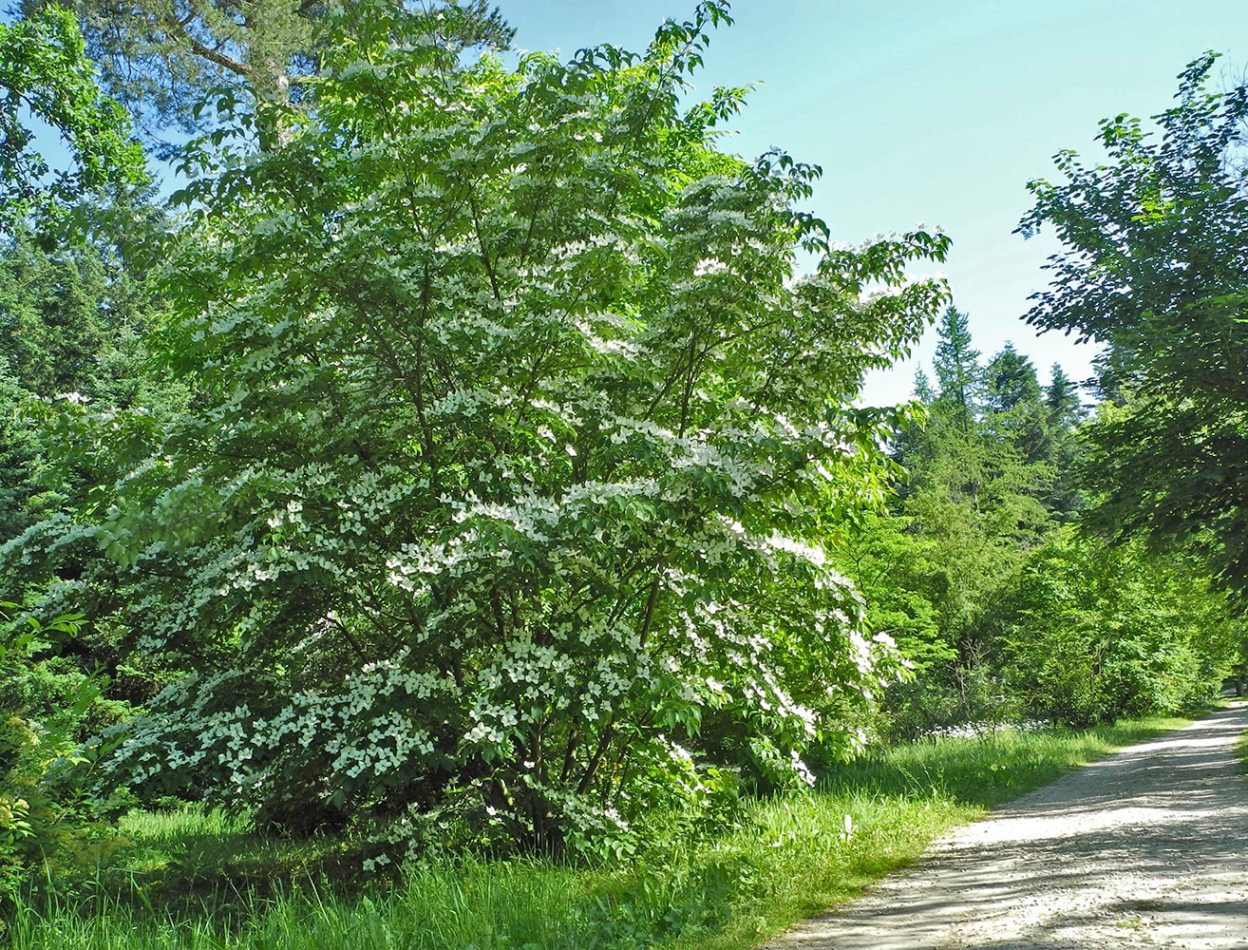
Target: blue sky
pixel 932 112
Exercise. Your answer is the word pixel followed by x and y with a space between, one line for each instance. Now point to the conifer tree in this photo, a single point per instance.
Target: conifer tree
pixel 1014 405
pixel 1066 408
pixel 1010 380
pixel 957 369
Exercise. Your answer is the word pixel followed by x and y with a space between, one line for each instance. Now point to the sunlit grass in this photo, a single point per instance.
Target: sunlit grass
pixel 792 856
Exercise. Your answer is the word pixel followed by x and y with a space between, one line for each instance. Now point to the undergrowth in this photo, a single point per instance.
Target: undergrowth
pixel 199 879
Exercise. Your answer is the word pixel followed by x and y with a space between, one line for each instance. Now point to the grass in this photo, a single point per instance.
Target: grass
pixel 199 880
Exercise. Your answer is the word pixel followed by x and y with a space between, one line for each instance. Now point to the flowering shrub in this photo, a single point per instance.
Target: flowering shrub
pixel 515 442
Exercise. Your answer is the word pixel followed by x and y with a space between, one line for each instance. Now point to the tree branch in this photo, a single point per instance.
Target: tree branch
pixel 179 29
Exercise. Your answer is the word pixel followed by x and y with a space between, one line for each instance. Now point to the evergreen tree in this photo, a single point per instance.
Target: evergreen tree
pixel 72 343
pixel 54 315
pixel 976 475
pixel 1014 405
pixel 1066 411
pixel 1010 381
pixel 20 451
pixel 1066 408
pixel 957 369
pixel 923 390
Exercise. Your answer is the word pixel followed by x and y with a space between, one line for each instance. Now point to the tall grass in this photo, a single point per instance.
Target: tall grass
pixel 792 856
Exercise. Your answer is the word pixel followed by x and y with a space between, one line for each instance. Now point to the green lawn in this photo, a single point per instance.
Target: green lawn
pixel 195 880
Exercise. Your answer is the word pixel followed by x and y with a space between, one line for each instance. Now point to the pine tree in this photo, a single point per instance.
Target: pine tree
pixel 19 456
pixel 54 308
pixel 1014 405
pixel 1065 411
pixel 72 319
pixel 923 390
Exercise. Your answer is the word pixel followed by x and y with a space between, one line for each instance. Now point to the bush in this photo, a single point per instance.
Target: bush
pixel 1092 633
pixel 514 442
pixel 952 698
pixel 45 812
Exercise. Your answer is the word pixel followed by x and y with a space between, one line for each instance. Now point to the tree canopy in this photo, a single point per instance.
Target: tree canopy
pixel 165 60
pixel 1154 264
pixel 46 78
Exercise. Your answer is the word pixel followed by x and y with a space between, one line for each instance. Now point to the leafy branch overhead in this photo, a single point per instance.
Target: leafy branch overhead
pixel 46 81
pixel 163 59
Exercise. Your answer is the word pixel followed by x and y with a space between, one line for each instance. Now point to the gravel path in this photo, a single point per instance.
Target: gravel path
pixel 1148 848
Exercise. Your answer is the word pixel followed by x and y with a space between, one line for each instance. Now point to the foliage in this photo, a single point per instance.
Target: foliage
pixel 899 573
pixel 44 812
pixel 990 471
pixel 910 589
pixel 45 76
pixel 53 313
pixel 1014 408
pixel 20 450
pixel 1005 614
pixel 514 440
pixel 1096 632
pixel 516 499
pixel 72 319
pixel 1155 265
pixel 977 478
pixel 74 313
pixel 164 62
pixel 1066 496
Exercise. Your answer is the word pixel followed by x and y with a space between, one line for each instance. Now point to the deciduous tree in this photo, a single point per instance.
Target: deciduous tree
pixel 45 76
pixel 164 58
pixel 1154 264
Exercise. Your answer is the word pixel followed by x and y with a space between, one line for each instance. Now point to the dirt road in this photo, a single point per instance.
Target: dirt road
pixel 1148 848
